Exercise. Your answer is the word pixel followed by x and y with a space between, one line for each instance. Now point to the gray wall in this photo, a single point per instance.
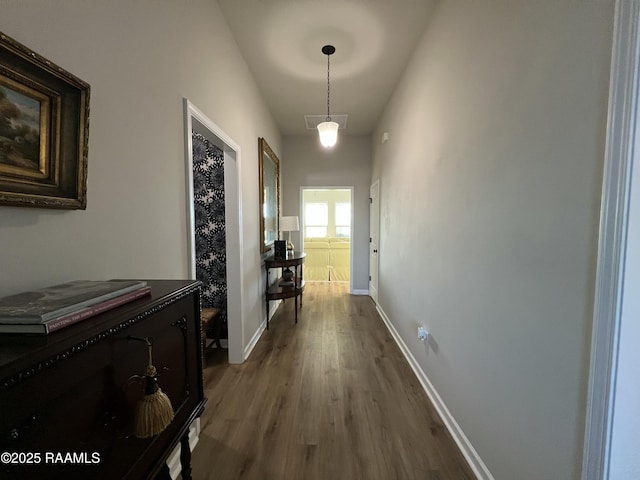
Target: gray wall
pixel 490 190
pixel 305 163
pixel 141 58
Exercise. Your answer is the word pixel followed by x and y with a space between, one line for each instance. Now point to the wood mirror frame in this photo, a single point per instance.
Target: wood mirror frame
pixel 269 195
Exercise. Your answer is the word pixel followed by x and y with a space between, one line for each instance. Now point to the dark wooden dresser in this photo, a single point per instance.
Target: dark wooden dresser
pixel 67 400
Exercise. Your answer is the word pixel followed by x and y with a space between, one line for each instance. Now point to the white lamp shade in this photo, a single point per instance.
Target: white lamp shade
pixel 328 133
pixel 289 224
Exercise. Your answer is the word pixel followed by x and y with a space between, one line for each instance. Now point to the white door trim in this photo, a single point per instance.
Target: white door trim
pixel 373 288
pixel 620 139
pixel 351 189
pixel 233 214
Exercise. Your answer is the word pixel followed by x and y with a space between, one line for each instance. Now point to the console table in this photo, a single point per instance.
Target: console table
pixel 278 291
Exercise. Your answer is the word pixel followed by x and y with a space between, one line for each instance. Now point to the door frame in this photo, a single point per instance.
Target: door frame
pixel 233 214
pixel 374 294
pixel 612 244
pixel 351 230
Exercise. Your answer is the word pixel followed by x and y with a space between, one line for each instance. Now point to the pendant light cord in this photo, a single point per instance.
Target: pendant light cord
pixel 328 89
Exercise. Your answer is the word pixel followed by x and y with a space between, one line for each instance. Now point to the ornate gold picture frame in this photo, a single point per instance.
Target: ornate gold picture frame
pixel 44 131
pixel 269 176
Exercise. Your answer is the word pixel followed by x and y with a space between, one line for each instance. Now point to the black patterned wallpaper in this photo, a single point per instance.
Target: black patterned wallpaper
pixel 210 231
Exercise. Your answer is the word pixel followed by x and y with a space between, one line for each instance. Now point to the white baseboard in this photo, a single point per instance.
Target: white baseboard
pixel 357 291
pixel 475 462
pixel 254 340
pixel 273 306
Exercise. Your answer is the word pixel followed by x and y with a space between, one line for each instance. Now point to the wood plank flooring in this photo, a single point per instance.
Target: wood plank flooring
pixel 330 398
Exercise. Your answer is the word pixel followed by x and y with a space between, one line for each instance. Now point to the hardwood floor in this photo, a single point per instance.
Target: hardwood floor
pixel 327 399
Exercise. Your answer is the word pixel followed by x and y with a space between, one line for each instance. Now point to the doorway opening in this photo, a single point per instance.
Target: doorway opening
pixel 213 218
pixel 326 232
pixel 210 225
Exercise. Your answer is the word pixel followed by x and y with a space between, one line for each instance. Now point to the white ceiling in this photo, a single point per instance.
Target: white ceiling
pixel 281 41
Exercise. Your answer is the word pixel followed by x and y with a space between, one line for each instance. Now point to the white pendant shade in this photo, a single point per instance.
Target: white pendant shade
pixel 328 133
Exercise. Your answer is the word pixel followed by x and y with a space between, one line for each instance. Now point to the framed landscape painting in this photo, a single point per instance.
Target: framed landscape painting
pixel 44 130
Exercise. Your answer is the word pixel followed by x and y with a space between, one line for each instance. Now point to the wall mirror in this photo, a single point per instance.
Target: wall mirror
pixel 269 194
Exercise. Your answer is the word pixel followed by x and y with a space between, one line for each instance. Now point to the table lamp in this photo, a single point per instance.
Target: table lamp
pixel 289 224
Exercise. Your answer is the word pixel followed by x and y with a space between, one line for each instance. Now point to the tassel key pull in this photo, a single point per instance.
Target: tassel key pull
pixel 154 411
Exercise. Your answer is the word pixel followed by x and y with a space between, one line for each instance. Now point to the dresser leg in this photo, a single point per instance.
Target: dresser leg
pixel 185 457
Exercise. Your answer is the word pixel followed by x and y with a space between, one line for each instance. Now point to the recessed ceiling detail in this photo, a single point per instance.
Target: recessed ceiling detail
pixel 281 42
pixel 312 121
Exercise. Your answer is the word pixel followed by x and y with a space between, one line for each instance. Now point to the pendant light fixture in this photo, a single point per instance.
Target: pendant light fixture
pixel 328 130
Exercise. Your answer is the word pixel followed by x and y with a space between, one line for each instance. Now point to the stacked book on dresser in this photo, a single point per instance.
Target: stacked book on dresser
pixel 49 309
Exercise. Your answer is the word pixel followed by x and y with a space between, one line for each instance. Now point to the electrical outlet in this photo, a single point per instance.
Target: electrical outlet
pixel 423 335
